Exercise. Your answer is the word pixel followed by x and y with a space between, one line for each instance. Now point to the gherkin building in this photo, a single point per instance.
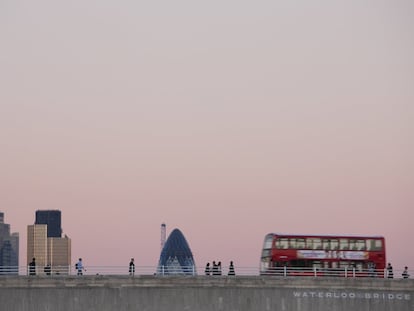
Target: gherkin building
pixel 176 257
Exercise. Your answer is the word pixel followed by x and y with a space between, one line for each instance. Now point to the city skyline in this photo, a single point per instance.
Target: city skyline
pixel 175 238
pixel 226 119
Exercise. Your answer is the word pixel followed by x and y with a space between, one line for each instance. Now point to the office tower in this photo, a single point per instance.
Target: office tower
pixel 51 218
pixel 37 246
pixel 47 246
pixel 4 229
pixel 14 241
pixel 176 256
pixel 9 249
pixel 59 254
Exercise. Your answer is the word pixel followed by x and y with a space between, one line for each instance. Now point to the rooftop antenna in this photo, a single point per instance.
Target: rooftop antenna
pixel 163 234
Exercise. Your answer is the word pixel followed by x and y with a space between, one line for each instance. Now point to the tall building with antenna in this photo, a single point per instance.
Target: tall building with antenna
pixel 163 234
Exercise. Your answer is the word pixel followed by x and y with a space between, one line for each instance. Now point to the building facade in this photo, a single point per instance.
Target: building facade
pixel 37 246
pixel 59 254
pixel 52 253
pixel 53 220
pixel 176 257
pixel 9 249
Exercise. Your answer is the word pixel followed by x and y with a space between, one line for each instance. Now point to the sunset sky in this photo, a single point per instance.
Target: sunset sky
pixel 225 119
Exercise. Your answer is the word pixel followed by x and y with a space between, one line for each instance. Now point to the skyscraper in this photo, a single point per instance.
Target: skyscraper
pixel 37 245
pixel 51 218
pixel 9 249
pixel 47 246
pixel 176 256
pixel 59 254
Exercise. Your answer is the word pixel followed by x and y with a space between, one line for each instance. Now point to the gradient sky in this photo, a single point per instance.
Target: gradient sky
pixel 225 119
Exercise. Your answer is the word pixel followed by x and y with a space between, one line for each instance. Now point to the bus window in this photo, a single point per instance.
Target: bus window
pixel 268 242
pixel 316 264
pixel 377 245
pixel 298 263
pixel 325 244
pixel 344 264
pixel 374 245
pixel 309 243
pixel 353 245
pixel 360 244
pixel 266 253
pixel 317 244
pixel 292 243
pixel 300 243
pixel 334 245
pixel 282 243
pixel 343 244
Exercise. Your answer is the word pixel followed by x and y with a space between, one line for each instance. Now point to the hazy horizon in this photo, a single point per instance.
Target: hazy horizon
pixel 225 119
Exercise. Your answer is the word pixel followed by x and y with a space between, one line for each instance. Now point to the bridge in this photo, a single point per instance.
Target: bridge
pixel 203 293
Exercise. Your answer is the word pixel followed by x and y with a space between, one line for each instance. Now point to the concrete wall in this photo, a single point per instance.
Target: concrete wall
pixel 147 293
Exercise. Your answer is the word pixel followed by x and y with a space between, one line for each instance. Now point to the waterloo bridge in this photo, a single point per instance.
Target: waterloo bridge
pixel 241 292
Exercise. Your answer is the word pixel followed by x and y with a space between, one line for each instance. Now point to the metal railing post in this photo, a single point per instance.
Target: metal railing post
pixel 284 271
pixel 346 272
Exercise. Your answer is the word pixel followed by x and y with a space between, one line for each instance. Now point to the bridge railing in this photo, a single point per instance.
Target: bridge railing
pixel 197 270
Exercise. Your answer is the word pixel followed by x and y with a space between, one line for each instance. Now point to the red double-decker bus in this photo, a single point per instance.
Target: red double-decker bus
pixel 293 254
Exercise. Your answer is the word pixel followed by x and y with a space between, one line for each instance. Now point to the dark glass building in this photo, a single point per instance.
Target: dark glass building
pixel 51 218
pixel 176 257
pixel 9 249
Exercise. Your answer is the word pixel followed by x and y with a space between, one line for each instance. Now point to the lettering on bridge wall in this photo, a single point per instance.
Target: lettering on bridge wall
pixel 390 296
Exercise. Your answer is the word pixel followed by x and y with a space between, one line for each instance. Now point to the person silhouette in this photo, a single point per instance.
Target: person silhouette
pixel 80 267
pixel 32 267
pixel 231 269
pixel 215 268
pixel 405 274
pixel 47 269
pixel 390 271
pixel 131 267
pixel 207 269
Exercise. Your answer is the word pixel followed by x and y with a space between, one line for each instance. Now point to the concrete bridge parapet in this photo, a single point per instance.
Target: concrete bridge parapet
pixel 203 293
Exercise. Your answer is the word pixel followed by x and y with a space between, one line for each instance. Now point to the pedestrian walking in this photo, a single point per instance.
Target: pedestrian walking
pixel 32 267
pixel 215 268
pixel 207 269
pixel 390 271
pixel 79 267
pixel 47 269
pixel 231 269
pixel 132 267
pixel 405 274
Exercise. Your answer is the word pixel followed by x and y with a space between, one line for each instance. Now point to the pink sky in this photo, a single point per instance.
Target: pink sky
pixel 225 119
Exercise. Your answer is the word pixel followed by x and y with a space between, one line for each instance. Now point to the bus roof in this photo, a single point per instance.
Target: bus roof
pixel 327 235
